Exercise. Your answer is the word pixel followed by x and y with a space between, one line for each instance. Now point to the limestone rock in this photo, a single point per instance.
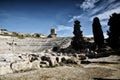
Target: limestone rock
pixel 53 61
pixel 44 64
pixel 5 68
pixel 19 66
pixel 35 64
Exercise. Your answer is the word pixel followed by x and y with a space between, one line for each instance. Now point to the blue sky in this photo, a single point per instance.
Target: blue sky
pixel 39 16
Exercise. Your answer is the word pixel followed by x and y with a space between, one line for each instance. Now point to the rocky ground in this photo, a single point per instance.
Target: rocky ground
pixel 92 71
pixel 33 59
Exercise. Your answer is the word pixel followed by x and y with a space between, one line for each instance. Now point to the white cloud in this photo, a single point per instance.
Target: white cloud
pixel 103 10
pixel 107 9
pixel 62 28
pixel 88 4
pixel 95 10
pixel 64 31
pixel 112 6
pixel 104 23
pixel 74 18
pixel 106 15
pixel 105 35
pixel 89 35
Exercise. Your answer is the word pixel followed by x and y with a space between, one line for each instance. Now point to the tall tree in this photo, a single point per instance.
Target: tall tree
pixel 114 31
pixel 78 37
pixel 97 33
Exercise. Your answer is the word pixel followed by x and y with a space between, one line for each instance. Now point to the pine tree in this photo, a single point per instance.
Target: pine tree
pixel 97 33
pixel 77 42
pixel 114 31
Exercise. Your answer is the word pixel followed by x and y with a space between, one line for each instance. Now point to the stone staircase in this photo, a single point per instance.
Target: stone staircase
pixel 15 45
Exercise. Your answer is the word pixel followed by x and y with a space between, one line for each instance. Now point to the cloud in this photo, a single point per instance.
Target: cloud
pixel 62 28
pixel 88 4
pixel 96 8
pixel 106 14
pixel 96 11
pixel 89 35
pixel 103 23
pixel 74 18
pixel 104 17
pixel 105 35
pixel 105 9
pixel 112 5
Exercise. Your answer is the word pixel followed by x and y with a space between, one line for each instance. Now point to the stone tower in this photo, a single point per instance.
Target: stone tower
pixel 52 33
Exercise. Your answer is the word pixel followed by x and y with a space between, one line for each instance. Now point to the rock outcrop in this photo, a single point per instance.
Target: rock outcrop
pixel 27 61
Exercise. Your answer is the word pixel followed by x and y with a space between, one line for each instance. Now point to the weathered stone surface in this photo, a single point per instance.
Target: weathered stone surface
pixel 20 66
pixel 45 58
pixel 33 57
pixel 35 64
pixel 44 64
pixel 82 57
pixel 73 60
pixel 5 68
pixel 53 61
pixel 29 45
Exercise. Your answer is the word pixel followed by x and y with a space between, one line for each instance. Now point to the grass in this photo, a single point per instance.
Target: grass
pixel 21 37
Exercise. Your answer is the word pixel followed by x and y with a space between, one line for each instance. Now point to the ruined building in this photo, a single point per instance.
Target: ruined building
pixel 52 33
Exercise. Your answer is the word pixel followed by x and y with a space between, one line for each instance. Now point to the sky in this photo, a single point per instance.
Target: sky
pixel 39 16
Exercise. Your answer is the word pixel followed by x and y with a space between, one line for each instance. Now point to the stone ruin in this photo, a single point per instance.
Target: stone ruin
pixel 52 33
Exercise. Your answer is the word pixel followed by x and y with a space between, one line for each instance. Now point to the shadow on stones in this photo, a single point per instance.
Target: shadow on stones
pixel 104 79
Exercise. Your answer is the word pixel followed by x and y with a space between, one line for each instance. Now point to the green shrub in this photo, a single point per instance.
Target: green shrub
pixel 21 37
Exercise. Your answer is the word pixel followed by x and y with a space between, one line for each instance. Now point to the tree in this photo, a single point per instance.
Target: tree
pixel 37 35
pixel 3 29
pixel 97 33
pixel 114 31
pixel 77 42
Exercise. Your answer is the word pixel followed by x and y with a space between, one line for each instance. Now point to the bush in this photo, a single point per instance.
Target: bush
pixel 77 40
pixel 21 37
pixel 97 33
pixel 114 31
pixel 56 48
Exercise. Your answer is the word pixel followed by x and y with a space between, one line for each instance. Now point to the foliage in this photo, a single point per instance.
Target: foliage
pixel 37 35
pixel 3 29
pixel 97 33
pixel 5 34
pixel 114 31
pixel 56 48
pixel 21 37
pixel 77 41
pixel 15 34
